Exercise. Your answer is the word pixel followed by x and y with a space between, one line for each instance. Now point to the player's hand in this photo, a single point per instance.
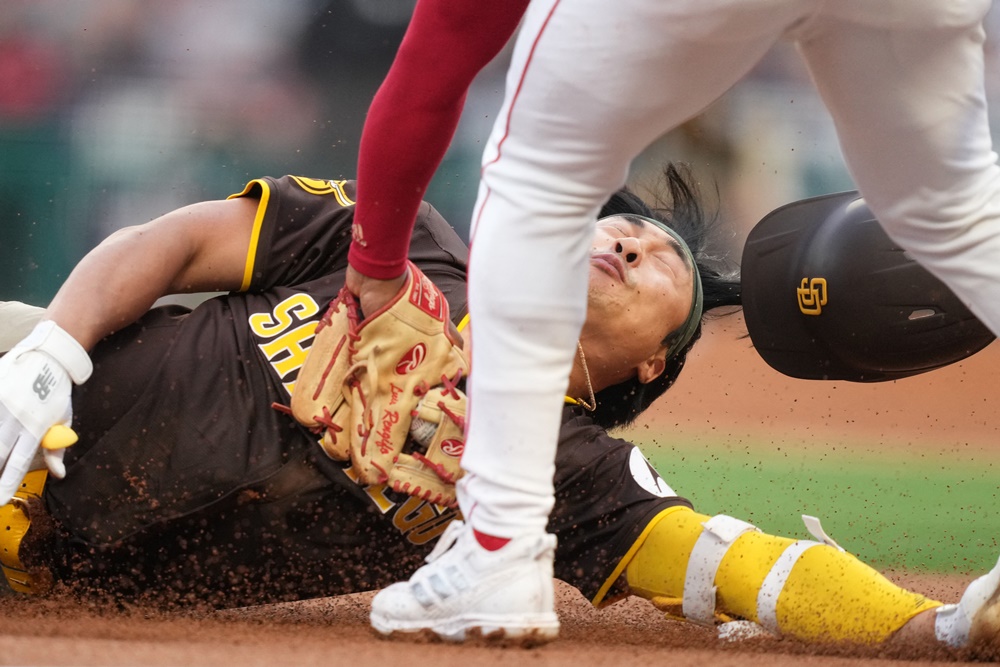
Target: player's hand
pixel 373 294
pixel 36 381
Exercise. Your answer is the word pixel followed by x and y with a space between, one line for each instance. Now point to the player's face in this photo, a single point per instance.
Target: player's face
pixel 640 290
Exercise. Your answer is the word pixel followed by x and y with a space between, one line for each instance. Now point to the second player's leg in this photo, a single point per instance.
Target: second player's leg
pixel 591 84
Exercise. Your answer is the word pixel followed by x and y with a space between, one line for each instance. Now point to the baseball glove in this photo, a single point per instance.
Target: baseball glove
pixel 399 353
pixel 363 383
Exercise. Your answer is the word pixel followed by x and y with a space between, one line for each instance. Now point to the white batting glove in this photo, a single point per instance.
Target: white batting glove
pixel 36 379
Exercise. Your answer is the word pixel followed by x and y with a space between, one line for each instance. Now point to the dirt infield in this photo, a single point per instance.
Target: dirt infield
pixel 335 631
pixel 726 392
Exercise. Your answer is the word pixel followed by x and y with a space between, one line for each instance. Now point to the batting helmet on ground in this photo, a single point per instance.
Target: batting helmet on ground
pixel 828 296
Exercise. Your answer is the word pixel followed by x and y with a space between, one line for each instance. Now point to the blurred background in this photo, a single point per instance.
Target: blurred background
pixel 115 111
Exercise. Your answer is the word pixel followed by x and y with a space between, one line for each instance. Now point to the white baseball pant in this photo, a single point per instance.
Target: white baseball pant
pixel 593 82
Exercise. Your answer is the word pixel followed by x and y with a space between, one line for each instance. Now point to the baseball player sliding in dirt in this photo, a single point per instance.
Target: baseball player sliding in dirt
pixel 191 482
pixel 591 84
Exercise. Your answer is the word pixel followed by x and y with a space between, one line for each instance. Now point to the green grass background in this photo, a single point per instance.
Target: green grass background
pixel 897 509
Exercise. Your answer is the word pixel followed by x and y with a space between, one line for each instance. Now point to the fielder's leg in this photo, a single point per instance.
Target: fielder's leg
pixel 591 84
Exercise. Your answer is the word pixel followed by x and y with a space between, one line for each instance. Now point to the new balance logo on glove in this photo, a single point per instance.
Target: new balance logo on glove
pixel 44 382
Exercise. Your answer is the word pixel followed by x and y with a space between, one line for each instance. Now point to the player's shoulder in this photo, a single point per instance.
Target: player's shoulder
pixel 589 457
pixel 301 197
pixel 578 425
pixel 583 440
pixel 433 234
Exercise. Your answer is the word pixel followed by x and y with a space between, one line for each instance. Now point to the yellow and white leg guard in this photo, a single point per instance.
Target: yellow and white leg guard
pixel 14 523
pixel 706 569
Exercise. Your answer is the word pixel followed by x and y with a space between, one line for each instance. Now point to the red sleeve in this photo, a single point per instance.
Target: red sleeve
pixel 413 118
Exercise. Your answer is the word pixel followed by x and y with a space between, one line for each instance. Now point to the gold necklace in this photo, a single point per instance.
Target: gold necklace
pixel 590 388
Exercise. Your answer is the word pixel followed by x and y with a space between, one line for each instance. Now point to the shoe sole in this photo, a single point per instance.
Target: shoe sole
pixel 534 632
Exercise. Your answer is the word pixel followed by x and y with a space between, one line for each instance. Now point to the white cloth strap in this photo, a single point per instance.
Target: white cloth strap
pixel 774 582
pixel 50 338
pixel 699 582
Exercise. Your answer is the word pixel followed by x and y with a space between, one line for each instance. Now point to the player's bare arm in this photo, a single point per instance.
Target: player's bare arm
pixel 202 247
pixel 198 248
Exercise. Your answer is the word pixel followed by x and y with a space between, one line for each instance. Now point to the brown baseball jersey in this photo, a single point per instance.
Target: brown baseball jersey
pixel 188 483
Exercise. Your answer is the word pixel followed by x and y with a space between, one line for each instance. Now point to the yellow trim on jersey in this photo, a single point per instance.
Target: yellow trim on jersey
pixel 258 221
pixel 627 558
pixel 314 186
pixel 318 186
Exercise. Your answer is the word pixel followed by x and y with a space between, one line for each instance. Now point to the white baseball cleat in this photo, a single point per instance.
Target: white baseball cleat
pixel 974 622
pixel 467 591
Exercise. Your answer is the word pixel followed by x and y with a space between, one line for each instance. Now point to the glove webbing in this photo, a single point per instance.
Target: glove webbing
pixel 449 386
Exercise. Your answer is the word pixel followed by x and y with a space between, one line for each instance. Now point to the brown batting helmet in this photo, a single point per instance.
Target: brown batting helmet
pixel 828 296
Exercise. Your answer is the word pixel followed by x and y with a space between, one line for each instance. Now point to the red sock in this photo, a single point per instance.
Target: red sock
pixel 490 542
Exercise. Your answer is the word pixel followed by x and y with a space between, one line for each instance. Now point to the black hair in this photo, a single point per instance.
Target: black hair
pixel 680 208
